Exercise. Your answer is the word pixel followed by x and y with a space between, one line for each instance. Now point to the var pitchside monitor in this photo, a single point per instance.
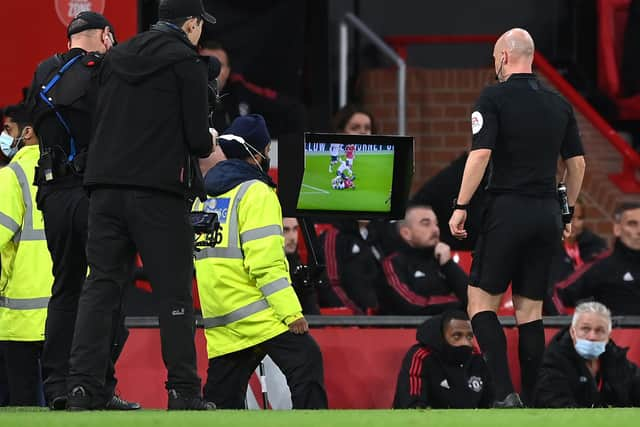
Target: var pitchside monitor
pixel 358 176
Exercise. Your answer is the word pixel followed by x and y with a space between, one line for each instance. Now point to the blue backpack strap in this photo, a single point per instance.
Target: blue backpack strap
pixel 48 101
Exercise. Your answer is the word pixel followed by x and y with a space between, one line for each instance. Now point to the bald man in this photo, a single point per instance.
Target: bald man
pixel 519 128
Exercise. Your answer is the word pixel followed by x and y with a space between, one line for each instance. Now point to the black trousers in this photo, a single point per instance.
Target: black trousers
pixel 155 223
pixel 65 213
pixel 299 358
pixel 4 385
pixel 22 367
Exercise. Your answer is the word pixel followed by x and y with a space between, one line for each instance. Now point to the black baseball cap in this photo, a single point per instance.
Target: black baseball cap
pixel 173 9
pixel 88 21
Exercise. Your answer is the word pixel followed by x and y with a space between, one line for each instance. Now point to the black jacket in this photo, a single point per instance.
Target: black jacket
pixel 352 268
pixel 74 96
pixel 590 245
pixel 564 381
pixel 613 280
pixel 417 284
pixel 283 115
pixel 428 379
pixel 151 113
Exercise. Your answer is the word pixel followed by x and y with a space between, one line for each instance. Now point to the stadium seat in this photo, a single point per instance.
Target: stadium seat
pixel 463 259
pixel 336 311
pixel 612 22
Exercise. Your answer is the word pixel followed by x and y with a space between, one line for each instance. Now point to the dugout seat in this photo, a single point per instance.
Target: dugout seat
pixel 612 22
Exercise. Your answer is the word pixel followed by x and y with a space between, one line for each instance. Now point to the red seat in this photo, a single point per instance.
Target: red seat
pixel 612 22
pixel 336 311
pixel 464 259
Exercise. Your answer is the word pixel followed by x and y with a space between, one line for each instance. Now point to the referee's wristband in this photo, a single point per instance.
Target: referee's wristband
pixel 566 218
pixel 456 206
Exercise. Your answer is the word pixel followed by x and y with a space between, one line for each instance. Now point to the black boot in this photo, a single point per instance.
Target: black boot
pixel 179 401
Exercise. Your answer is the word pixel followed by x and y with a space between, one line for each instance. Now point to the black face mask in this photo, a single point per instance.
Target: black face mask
pixel 265 164
pixel 457 355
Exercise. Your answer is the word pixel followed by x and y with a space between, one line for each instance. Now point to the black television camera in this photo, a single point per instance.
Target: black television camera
pixel 205 224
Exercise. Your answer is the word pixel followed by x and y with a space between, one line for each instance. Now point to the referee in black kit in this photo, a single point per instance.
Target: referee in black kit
pixel 519 129
pixel 151 118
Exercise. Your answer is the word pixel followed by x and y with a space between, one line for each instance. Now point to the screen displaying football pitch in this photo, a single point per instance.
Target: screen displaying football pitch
pixel 347 177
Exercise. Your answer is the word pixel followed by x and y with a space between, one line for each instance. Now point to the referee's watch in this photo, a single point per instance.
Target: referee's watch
pixel 457 206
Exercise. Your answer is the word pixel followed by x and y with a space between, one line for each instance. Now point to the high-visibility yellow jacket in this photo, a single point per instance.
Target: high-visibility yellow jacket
pixel 25 282
pixel 244 283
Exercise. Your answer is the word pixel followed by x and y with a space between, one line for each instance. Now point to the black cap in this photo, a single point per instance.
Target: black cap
pixel 174 9
pixel 88 21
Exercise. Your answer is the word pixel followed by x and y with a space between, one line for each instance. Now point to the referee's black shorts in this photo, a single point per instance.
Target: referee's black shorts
pixel 517 241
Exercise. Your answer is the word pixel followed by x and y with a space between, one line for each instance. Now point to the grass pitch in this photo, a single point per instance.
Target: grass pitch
pixel 332 418
pixel 373 171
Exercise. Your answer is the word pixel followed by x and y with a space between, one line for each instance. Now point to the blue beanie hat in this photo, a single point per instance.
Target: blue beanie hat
pixel 252 129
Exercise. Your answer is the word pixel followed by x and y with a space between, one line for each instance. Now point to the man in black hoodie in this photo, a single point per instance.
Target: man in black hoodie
pixel 443 370
pixel 584 368
pixel 151 118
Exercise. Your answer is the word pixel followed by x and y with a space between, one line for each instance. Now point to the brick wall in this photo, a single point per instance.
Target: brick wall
pixel 439 105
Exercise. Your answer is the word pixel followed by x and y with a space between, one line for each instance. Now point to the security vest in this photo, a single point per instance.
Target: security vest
pixel 244 283
pixel 25 282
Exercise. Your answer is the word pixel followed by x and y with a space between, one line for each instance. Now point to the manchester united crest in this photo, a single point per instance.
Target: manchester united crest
pixel 68 9
pixel 475 383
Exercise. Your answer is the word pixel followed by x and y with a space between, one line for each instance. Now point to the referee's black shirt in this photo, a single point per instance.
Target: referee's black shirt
pixel 527 126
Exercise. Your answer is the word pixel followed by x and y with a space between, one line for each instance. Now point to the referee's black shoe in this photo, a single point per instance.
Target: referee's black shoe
pixel 182 402
pixel 512 401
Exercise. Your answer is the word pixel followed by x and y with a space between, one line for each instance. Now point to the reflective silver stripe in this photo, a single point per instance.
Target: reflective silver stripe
pixel 230 253
pixel 273 287
pixel 233 218
pixel 24 303
pixel 27 232
pixel 259 233
pixel 8 222
pixel 235 315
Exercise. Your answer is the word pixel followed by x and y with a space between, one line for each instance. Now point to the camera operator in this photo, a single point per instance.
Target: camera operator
pixel 151 117
pixel 248 304
pixel 62 100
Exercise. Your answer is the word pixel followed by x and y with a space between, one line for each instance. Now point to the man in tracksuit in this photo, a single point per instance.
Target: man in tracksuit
pixel 249 307
pixel 443 370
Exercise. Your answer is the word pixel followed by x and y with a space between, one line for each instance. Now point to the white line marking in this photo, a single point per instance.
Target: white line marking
pixel 315 188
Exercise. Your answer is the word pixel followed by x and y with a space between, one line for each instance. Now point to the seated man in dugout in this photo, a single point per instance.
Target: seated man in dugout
pixel 421 276
pixel 612 279
pixel 443 370
pixel 584 368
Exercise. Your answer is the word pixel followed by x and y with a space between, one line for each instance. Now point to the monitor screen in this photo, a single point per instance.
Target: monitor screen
pixel 359 176
pixel 346 177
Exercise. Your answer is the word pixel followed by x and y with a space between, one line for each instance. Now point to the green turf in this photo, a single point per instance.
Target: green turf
pixel 373 171
pixel 332 418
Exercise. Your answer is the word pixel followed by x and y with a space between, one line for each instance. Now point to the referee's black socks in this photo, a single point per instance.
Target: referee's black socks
pixel 531 350
pixel 493 344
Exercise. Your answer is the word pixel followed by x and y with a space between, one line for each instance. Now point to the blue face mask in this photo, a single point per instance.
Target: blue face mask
pixel 6 142
pixel 590 349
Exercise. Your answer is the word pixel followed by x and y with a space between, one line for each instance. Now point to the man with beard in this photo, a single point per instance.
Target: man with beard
pixel 443 370
pixel 422 278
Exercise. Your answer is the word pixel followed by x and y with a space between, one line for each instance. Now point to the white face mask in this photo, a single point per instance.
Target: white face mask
pixel 8 145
